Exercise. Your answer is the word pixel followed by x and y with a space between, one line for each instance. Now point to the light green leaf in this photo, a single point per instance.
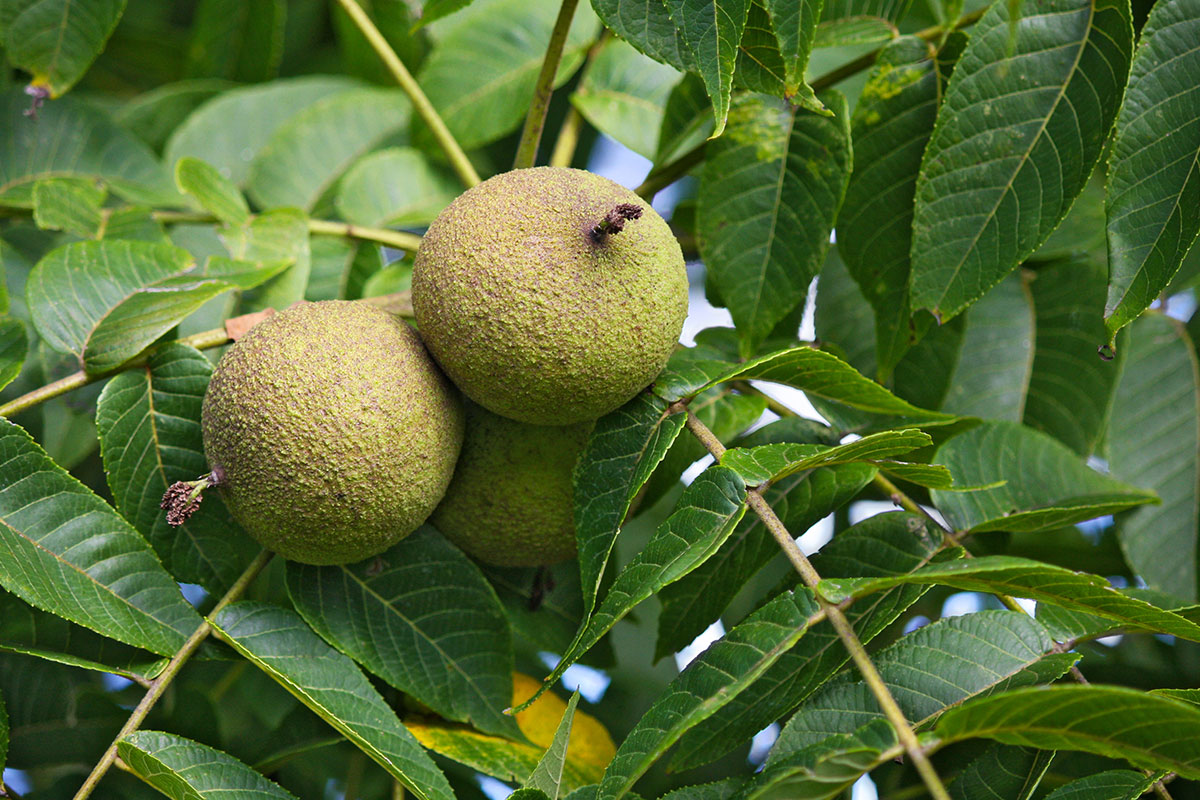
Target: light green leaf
pixel 424 619
pixel 69 204
pixel 1149 731
pixel 230 130
pixel 50 525
pixel 623 94
pixel 709 682
pixel 712 30
pixel 768 197
pixel 70 138
pixel 853 30
pixel 770 462
pixel 155 114
pixel 186 770
pixel 482 84
pixel 212 190
pixel 548 776
pixel 236 40
pixel 1154 174
pixel 1117 784
pixel 13 346
pixel 308 153
pixel 279 236
pixel 149 424
pixel 1045 485
pixel 397 186
pixel 1152 442
pixel 1026 114
pixel 1022 577
pixel 56 40
pixel 278 642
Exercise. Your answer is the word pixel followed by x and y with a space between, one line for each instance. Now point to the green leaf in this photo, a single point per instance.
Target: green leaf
pixel 795 25
pixel 186 770
pixel 886 544
pixel 27 630
pixel 436 9
pixel 232 128
pixel 1152 442
pixel 529 794
pixel 891 125
pixel 56 40
pixel 1149 731
pixel 1045 485
pixel 814 372
pixel 1071 387
pixel 1116 784
pixel 3 737
pixel 711 31
pixel 13 346
pixel 547 777
pixel 770 462
pixel 698 599
pixel 69 204
pixel 623 94
pixel 481 83
pixel 648 27
pixel 709 682
pixel 236 40
pixel 70 138
pixel 215 193
pixel 768 197
pixel 106 301
pixel 929 670
pixel 279 236
pixel 154 115
pixel 1026 114
pixel 890 10
pixel 625 447
pixel 853 30
pixel 149 424
pixel 1067 625
pixel 1022 577
pixel 1186 695
pixel 308 153
pixel 760 66
pixel 686 121
pixel 1154 172
pixel 278 642
pixel 397 186
pixel 706 514
pixel 828 769
pixel 1002 771
pixel 423 618
pixel 51 529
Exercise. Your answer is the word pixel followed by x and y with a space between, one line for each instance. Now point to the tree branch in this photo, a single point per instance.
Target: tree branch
pixel 535 120
pixel 458 159
pixel 160 684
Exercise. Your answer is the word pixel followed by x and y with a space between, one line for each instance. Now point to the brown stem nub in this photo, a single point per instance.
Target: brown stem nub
pixel 614 221
pixel 182 498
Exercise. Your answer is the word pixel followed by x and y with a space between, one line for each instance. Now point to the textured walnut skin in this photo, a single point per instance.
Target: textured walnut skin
pixel 531 315
pixel 511 502
pixel 336 432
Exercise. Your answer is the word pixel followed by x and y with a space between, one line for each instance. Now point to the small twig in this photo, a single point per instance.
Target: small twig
pixel 662 177
pixel 568 139
pixel 160 684
pixel 535 120
pixel 425 110
pixel 401 240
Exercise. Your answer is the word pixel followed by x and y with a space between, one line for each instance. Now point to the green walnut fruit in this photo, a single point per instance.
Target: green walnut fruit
pixel 550 295
pixel 511 502
pixel 330 433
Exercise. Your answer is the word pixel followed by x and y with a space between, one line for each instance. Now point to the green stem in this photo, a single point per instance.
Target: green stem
pixel 837 619
pixel 535 120
pixel 160 684
pixel 458 159
pixel 568 139
pixel 397 239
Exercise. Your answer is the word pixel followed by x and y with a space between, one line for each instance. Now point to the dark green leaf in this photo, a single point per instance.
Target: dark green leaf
pixel 236 40
pixel 278 642
pixel 3 736
pixel 767 201
pixel 686 121
pixel 51 531
pixel 795 26
pixel 73 139
pixel 529 794
pixel 709 682
pixel 1025 117
pixel 770 462
pixel 1002 771
pixel 625 447
pixel 69 204
pixel 56 40
pixel 1021 577
pixel 186 770
pixel 1117 784
pixel 212 190
pixel 622 94
pixel 422 617
pixel 1154 173
pixel 886 544
pixel 149 424
pixel 711 30
pixel 546 620
pixel 1152 442
pixel 397 186
pixel 760 66
pixel 891 125
pixel 1149 731
pixel 648 27
pixel 548 776
pixel 1045 485
pixel 828 769
pixel 13 346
